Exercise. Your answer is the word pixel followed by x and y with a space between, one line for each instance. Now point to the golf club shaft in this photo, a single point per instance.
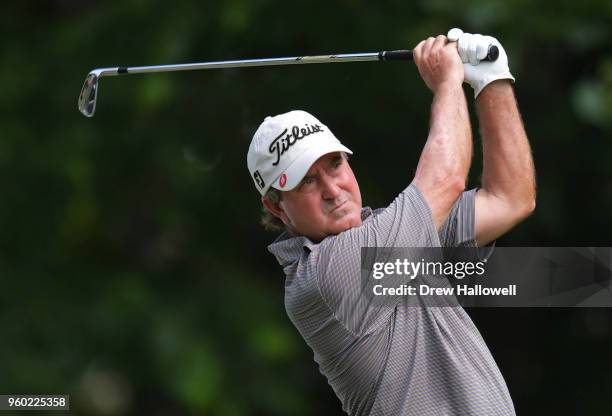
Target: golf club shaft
pixel 294 60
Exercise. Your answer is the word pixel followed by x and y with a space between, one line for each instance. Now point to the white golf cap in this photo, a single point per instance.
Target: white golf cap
pixel 284 148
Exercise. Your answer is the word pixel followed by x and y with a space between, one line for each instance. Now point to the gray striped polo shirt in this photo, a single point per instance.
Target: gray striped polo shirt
pixel 390 360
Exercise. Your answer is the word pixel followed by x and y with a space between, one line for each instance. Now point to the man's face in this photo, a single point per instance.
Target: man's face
pixel 326 202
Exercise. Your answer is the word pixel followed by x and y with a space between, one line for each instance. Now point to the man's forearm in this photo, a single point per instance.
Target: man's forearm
pixel 446 157
pixel 508 170
pixel 450 119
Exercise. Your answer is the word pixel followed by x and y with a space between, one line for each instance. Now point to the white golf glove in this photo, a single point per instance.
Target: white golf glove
pixel 472 50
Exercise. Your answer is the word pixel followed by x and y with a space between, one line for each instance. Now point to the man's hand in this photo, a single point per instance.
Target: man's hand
pixel 438 62
pixel 474 48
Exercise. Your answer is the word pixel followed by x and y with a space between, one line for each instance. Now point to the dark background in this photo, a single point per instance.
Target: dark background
pixel 134 273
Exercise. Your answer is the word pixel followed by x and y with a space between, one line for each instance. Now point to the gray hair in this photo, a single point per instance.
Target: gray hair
pixel 269 220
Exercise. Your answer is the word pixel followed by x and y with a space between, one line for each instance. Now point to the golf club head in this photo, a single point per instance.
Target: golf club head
pixel 89 94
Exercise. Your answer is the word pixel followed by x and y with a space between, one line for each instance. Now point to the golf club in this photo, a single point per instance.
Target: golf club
pixel 89 92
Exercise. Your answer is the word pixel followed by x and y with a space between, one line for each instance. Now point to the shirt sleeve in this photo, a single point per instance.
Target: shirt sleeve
pixel 458 229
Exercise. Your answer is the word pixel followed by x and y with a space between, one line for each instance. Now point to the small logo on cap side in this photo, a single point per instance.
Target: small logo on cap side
pixel 259 180
pixel 283 180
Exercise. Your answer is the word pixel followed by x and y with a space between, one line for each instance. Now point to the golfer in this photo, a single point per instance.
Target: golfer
pixel 398 360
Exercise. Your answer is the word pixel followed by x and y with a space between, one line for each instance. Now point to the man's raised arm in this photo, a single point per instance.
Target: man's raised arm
pixel 445 159
pixel 508 188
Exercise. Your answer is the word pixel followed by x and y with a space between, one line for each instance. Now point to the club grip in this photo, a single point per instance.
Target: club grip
pixel 399 55
pixel 406 55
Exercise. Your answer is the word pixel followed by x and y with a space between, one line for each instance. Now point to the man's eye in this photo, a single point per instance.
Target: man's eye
pixel 308 181
pixel 337 162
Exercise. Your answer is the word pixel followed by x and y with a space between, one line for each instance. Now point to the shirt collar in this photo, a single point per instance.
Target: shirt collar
pixel 288 248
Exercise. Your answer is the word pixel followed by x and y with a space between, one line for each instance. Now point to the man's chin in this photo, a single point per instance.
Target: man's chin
pixel 348 221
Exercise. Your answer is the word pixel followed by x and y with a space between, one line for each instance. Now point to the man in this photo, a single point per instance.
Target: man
pixel 399 360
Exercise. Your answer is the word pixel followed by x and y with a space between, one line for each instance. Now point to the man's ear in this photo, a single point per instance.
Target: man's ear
pixel 274 208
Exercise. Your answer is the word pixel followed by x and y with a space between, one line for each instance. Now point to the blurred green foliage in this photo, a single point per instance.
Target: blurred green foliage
pixel 135 275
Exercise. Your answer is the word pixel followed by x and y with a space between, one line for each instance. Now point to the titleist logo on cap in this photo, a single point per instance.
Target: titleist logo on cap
pixel 285 140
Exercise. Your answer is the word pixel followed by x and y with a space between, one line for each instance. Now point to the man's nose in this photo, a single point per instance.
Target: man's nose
pixel 330 188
